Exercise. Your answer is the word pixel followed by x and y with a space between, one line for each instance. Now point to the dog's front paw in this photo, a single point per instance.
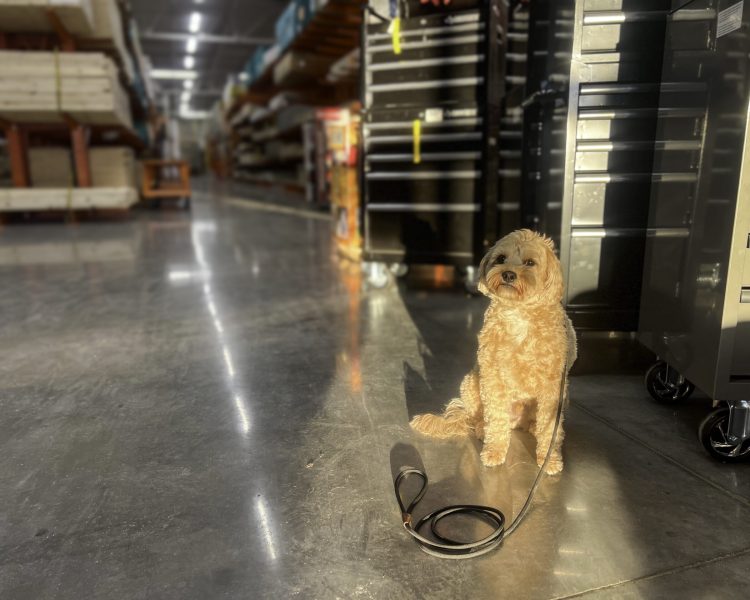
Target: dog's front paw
pixel 492 456
pixel 554 466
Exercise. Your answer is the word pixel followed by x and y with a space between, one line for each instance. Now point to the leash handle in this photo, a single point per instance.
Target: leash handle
pixel 446 547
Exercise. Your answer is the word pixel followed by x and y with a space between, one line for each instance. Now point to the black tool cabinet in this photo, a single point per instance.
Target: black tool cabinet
pixel 431 120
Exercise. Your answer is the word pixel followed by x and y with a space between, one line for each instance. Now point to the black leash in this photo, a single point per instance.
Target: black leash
pixel 446 547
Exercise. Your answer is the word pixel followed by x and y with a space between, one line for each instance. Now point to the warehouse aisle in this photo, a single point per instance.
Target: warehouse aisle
pixel 211 406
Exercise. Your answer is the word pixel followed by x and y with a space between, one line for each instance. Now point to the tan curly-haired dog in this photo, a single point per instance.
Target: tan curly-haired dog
pixel 526 342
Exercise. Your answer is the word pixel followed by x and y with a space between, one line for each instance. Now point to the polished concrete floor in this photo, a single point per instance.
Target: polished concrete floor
pixel 212 406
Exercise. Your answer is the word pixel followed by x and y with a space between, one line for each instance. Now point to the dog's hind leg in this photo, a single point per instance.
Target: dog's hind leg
pixel 472 402
pixel 460 415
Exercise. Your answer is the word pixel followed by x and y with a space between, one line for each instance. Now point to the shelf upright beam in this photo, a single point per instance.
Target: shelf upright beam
pixel 18 151
pixel 79 141
pixel 67 41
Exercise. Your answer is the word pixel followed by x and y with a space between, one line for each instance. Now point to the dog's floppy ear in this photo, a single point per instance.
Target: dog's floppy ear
pixel 553 283
pixel 482 279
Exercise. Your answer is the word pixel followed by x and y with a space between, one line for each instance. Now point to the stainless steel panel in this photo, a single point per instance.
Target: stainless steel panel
pixel 693 309
pixel 741 353
pixel 612 113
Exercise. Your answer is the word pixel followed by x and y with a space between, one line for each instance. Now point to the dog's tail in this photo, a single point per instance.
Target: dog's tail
pixel 454 422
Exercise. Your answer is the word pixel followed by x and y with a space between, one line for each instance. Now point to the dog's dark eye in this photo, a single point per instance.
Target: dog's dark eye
pixel 500 259
pixel 529 263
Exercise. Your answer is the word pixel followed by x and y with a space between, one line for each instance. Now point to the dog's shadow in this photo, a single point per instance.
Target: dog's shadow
pixel 420 397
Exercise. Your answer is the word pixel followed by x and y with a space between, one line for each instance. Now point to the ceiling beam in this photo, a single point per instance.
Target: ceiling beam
pixel 205 38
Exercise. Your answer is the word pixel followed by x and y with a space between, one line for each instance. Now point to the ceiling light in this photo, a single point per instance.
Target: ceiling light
pixel 195 22
pixel 192 45
pixel 189 62
pixel 188 84
pixel 173 74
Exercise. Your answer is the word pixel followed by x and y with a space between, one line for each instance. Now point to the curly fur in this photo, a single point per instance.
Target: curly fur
pixel 525 342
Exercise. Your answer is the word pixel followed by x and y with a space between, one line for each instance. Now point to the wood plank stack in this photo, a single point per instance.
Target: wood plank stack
pixel 111 166
pixel 101 80
pixel 50 167
pixel 30 199
pixel 96 24
pixel 108 35
pixel 25 16
pixel 40 87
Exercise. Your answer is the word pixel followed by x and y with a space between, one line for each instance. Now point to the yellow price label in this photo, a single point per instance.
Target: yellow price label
pixel 417 135
pixel 396 35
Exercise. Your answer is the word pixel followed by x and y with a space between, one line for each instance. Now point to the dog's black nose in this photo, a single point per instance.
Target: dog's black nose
pixel 509 276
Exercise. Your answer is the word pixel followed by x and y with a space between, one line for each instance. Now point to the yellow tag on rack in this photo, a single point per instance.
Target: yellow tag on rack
pixel 396 35
pixel 417 135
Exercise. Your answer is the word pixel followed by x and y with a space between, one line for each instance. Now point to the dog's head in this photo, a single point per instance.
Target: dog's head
pixel 522 268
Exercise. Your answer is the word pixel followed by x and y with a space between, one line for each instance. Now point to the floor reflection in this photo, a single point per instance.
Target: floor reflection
pixel 200 234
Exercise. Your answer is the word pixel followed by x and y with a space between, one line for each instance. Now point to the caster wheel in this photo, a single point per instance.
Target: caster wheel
pixel 713 435
pixel 378 276
pixel 666 385
pixel 399 269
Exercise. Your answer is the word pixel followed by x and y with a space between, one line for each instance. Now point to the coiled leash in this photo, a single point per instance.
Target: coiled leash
pixel 446 547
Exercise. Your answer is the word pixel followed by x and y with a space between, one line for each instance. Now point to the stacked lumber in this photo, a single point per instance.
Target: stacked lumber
pixel 30 199
pixel 25 16
pixel 113 176
pixel 96 24
pixel 111 167
pixel 114 166
pixel 42 87
pixel 101 80
pixel 108 35
pixel 51 167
